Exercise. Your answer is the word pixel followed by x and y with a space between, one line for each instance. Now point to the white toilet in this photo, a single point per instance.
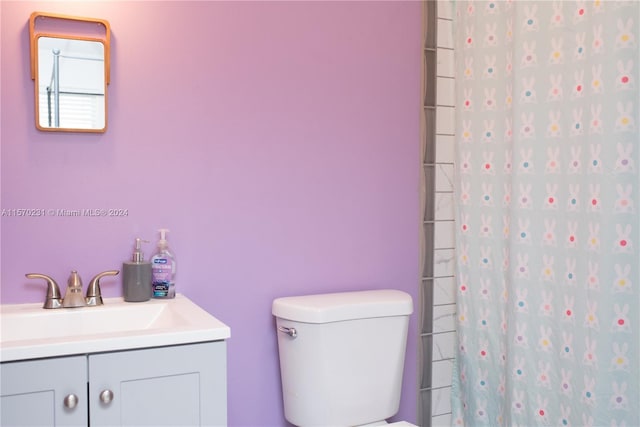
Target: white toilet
pixel 342 356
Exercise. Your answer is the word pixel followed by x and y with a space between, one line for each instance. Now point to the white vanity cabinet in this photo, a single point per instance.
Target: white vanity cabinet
pixel 172 385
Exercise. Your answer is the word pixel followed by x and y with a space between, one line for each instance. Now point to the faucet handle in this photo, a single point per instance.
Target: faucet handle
pixel 94 295
pixel 53 299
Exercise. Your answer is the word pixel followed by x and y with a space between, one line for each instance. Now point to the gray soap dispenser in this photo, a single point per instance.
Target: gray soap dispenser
pixel 136 276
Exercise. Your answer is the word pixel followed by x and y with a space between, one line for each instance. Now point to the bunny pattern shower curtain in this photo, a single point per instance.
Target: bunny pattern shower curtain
pixel 547 213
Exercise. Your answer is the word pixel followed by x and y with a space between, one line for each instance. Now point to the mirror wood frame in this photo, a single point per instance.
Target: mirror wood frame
pixel 76 34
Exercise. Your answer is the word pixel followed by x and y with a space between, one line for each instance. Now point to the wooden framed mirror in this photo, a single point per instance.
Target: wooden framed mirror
pixel 70 68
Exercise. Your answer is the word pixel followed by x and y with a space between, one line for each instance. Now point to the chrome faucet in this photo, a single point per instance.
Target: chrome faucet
pixel 94 295
pixel 73 296
pixel 53 299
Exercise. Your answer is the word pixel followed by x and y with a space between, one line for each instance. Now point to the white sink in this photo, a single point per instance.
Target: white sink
pixel 27 331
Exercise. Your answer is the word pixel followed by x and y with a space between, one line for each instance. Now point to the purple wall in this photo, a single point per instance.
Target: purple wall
pixel 279 141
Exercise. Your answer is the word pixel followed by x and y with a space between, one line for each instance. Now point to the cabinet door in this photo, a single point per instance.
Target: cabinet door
pixel 34 393
pixel 167 386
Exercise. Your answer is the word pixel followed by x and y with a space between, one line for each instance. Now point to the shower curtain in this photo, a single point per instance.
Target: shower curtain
pixel 547 102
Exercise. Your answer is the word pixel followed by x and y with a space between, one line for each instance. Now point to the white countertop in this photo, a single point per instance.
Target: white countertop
pixel 27 331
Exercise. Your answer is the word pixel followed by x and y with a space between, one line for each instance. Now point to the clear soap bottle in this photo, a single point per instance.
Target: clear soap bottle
pixel 163 269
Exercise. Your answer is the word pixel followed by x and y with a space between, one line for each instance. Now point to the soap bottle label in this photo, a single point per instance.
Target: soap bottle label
pixel 162 271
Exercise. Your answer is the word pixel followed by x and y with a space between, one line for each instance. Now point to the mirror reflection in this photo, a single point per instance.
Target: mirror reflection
pixel 71 84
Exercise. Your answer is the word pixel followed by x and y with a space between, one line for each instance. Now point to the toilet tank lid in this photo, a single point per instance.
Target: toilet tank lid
pixel 336 307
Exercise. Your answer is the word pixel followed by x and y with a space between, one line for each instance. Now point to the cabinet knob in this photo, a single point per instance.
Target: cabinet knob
pixel 106 396
pixel 71 401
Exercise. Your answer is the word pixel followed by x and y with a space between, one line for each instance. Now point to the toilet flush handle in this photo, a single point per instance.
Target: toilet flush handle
pixel 289 331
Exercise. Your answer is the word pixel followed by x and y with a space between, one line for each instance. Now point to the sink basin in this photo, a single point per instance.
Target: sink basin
pixel 27 331
pixel 27 325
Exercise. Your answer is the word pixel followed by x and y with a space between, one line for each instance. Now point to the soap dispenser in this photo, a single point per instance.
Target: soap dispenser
pixel 136 276
pixel 163 267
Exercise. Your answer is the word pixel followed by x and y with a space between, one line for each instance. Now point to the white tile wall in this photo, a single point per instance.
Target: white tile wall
pixel 441 373
pixel 444 346
pixel 443 206
pixel 445 33
pixel 444 177
pixel 443 262
pixel 444 317
pixel 444 289
pixel 444 62
pixel 445 119
pixel 441 421
pixel 444 309
pixel 445 9
pixel 440 401
pixel 446 150
pixel 445 88
pixel 444 236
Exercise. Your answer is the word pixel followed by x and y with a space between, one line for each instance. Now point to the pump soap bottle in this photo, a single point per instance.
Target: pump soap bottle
pixel 163 267
pixel 136 276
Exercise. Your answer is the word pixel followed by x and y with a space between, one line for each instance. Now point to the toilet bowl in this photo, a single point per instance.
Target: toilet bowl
pixel 342 356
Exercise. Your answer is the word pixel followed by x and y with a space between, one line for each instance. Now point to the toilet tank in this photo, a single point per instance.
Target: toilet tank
pixel 343 365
